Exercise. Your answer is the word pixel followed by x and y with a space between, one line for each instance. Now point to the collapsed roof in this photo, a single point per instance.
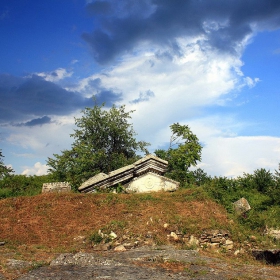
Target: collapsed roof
pixel 150 164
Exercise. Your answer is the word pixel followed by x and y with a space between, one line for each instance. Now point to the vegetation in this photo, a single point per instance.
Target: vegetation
pixel 4 170
pixel 104 141
pixel 184 151
pixel 21 185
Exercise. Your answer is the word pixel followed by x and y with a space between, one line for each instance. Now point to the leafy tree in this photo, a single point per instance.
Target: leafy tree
pixel 184 151
pixel 263 180
pixel 200 177
pixel 104 141
pixel 4 170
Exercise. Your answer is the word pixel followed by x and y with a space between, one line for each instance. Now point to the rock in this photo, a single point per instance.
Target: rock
pixel 212 233
pixel 18 264
pixel 125 237
pixel 56 187
pixel 228 244
pixel 174 236
pixel 2 243
pixel 237 252
pixel 101 233
pixel 273 232
pixel 80 238
pixel 216 240
pixel 128 245
pixel 102 247
pixel 193 240
pixel 253 238
pixel 112 235
pixel 241 206
pixel 120 248
pixel 213 246
pixel 166 225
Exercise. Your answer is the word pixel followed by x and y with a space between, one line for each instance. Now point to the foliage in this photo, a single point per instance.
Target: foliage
pixel 96 238
pixel 4 170
pixel 104 141
pixel 21 185
pixel 261 189
pixel 184 151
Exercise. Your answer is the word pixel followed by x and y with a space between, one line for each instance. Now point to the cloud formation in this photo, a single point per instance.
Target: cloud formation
pixel 31 100
pixel 35 122
pixel 223 25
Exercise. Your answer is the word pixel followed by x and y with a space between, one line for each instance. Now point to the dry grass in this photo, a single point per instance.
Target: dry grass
pixel 54 220
pixel 37 228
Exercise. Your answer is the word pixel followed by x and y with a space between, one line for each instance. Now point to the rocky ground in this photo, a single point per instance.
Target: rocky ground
pixel 164 262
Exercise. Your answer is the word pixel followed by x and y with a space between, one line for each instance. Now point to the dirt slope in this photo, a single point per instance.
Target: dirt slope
pixel 37 229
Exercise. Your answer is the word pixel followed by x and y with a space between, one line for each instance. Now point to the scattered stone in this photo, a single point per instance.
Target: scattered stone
pixel 229 244
pixel 214 245
pixel 275 233
pixel 166 225
pixel 253 238
pixel 112 235
pixel 124 237
pixel 193 241
pixel 128 245
pixel 174 236
pixel 120 248
pixel 102 247
pixel 2 243
pixel 79 238
pixel 237 252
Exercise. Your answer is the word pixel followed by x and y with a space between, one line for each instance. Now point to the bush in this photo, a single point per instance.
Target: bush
pixel 21 185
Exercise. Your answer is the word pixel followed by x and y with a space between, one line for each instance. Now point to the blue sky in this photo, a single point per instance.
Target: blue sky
pixel 211 64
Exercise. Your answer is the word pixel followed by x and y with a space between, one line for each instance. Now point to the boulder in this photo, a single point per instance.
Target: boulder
pixel 241 206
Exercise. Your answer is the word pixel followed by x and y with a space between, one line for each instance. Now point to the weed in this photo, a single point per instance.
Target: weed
pixel 147 197
pixel 118 224
pixel 38 264
pixel 95 238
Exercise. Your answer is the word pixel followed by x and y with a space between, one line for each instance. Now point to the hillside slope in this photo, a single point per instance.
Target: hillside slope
pixel 37 228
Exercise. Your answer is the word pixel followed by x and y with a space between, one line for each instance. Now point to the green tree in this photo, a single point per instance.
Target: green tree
pixel 263 180
pixel 104 141
pixel 4 170
pixel 184 151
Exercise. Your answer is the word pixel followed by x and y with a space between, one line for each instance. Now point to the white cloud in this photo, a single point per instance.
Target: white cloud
pixel 182 85
pixel 235 155
pixel 38 169
pixel 56 75
pixel 225 153
pixel 40 142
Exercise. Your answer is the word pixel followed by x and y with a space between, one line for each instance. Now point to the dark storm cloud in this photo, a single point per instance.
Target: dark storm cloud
pixel 33 98
pixel 121 25
pixel 103 95
pixel 35 122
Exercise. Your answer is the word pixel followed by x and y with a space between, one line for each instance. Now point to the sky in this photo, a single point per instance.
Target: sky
pixel 213 65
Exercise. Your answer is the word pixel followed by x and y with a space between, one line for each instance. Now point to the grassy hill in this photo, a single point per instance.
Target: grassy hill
pixel 37 228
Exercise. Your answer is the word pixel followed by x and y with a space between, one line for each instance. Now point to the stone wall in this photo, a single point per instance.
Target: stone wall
pixel 56 187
